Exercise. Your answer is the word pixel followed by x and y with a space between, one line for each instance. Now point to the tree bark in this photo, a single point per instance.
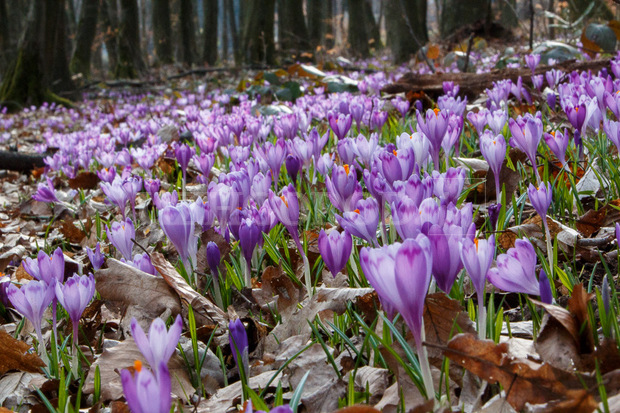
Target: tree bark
pixel 5 28
pixel 374 37
pixel 109 13
pixel 188 39
pixel 358 36
pixel 130 63
pixel 293 31
pixel 258 36
pixel 224 31
pixel 86 31
pixel 456 14
pixel 162 31
pixel 210 31
pixel 406 30
pixel 234 34
pixel 40 67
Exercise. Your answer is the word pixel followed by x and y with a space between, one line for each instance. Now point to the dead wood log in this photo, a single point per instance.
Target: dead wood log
pixel 21 162
pixel 473 84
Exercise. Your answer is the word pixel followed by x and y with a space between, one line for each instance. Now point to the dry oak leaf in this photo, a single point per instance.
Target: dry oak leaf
pixel 14 355
pixel 524 380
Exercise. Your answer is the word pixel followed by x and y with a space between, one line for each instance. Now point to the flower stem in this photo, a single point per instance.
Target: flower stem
pixel 549 248
pixel 482 319
pixel 424 366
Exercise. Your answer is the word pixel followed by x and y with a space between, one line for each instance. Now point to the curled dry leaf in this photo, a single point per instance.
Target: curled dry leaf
pixel 15 355
pixel 206 312
pixel 122 285
pixel 122 355
pixel 524 380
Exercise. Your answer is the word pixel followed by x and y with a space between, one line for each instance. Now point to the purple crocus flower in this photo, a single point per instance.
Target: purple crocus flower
pixel 493 214
pixel 541 198
pixel 558 143
pixel 151 186
pixel 95 256
pixel 363 221
pixel 132 185
pixel 406 218
pixel 335 249
pixel 249 236
pixel 365 148
pixel 378 119
pixel 526 135
pixel 146 393
pixel 478 119
pixel 177 222
pixel 494 151
pixel 402 106
pixel 161 342
pixel 51 267
pixel 477 257
pixel 115 194
pixel 223 199
pixel 204 162
pixel 143 263
pixel 414 188
pixel 343 188
pixel 497 120
pixel 107 174
pixel 274 156
pixel 340 125
pixel 378 267
pixel 434 125
pixel 612 130
pixel 532 60
pixel 121 235
pixel 448 185
pixel 213 259
pixel 74 296
pixel 45 191
pixel 239 346
pixel 293 165
pixel 546 296
pixel 166 199
pixel 346 150
pixel 31 301
pixel 516 270
pixel 538 81
pixel 396 165
pixel 446 245
pixel 260 187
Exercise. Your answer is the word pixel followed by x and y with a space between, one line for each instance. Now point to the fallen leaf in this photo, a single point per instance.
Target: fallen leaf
pixel 122 285
pixel 276 283
pixel 358 409
pixel 84 180
pixel 578 306
pixel 15 355
pixel 72 233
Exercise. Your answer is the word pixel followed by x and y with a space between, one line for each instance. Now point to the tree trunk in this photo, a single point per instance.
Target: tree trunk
pixel 110 23
pixel 508 14
pixel 232 26
pixel 374 37
pixel 86 31
pixel 210 31
pixel 457 13
pixel 358 35
pixel 38 68
pixel 406 29
pixel 258 36
pixel 294 33
pixel 188 40
pixel 162 31
pixel 224 31
pixel 130 63
pixel 5 34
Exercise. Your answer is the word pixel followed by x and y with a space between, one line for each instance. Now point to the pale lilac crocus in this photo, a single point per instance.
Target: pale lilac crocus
pixel 526 135
pixel 45 192
pixel 558 143
pixel 445 246
pixel 493 149
pixel 434 126
pixel 612 130
pixel 477 257
pixel 335 249
pixel 177 222
pixel 532 60
pixel 541 198
pixel 340 125
pixel 516 270
pixel 161 342
pixel 448 186
pixel 343 188
pixel 145 392
pixel 121 235
pixel 223 199
pixel 115 194
pixel 239 347
pixel 363 221
pixel 249 236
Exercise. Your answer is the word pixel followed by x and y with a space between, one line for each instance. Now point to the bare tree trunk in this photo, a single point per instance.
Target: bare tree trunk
pixel 294 33
pixel 458 13
pixel 188 40
pixel 224 31
pixel 110 22
pixel 162 31
pixel 86 31
pixel 358 36
pixel 406 30
pixel 258 36
pixel 130 63
pixel 374 37
pixel 5 33
pixel 232 25
pixel 210 31
pixel 38 69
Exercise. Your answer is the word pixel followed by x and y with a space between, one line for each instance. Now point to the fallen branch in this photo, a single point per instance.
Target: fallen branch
pixel 21 162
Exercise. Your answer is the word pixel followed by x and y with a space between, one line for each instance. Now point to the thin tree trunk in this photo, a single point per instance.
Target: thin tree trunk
pixel 294 35
pixel 110 23
pixel 188 40
pixel 224 31
pixel 162 31
pixel 406 30
pixel 232 25
pixel 210 31
pixel 358 35
pixel 130 63
pixel 86 31
pixel 374 38
pixel 258 36
pixel 5 31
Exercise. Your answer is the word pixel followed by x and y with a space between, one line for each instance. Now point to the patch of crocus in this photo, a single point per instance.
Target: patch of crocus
pixel 448 186
pixel 249 236
pixel 74 295
pixel 343 188
pixel 396 165
pixel 121 234
pixel 45 192
pixel 95 256
pixel 293 166
pixel 335 249
pixel 477 257
pixel 166 199
pixel 151 186
pixel 177 222
pixel 415 188
pixel 516 270
pixel 340 125
pixel 145 392
pixel 239 346
pixel 526 135
pixel 161 342
pixel 493 149
pixel 223 200
pixel 362 222
pixel 115 194
pixel 434 126
pixel 445 246
pixel 31 301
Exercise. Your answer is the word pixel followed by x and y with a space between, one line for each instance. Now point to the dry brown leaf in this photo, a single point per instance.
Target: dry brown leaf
pixel 524 380
pixel 122 285
pixel 122 355
pixel 578 306
pixel 206 312
pixel 84 180
pixel 277 283
pixel 14 355
pixel 72 233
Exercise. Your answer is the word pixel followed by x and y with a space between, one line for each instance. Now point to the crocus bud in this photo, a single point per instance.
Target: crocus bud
pixel 213 258
pixel 293 165
pixel 606 295
pixel 238 338
pixel 335 250
pixel 95 256
pixel 545 288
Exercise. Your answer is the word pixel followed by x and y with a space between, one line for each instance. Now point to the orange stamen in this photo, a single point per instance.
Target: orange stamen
pixel 552 133
pixel 436 110
pixel 357 211
pixel 395 153
pixel 577 109
pixel 346 168
pixel 137 365
pixel 476 242
pixel 284 199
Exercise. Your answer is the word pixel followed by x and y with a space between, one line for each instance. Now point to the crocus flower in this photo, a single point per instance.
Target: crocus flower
pixel 51 267
pixel 107 174
pixel 249 236
pixel 166 199
pixel 546 296
pixel 558 143
pixel 161 342
pixel 213 260
pixel 343 188
pixel 494 151
pixel 115 194
pixel 132 185
pixel 445 246
pixel 74 296
pixel 414 188
pixel 340 125
pixel 532 61
pixel 477 257
pixel 223 199
pixel 541 198
pixel 612 130
pixel 516 270
pixel 434 125
pixel 397 165
pixel 346 150
pixel 204 162
pixel 261 184
pixel 497 120
pixel 31 301
pixel 177 222
pixel 335 249
pixel 293 165
pixel 526 135
pixel 478 120
pixel 406 217
pixel 143 263
pixel 151 186
pixel 447 186
pixel 238 338
pixel 274 156
pixel 146 393
pixel 419 143
pixel 45 192
pixel 121 235
pixel 363 221
pixel 493 214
